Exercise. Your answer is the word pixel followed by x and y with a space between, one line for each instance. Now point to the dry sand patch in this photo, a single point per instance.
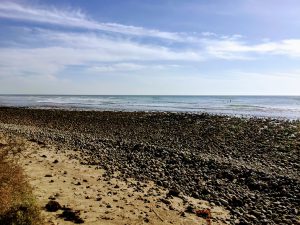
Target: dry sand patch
pixel 55 174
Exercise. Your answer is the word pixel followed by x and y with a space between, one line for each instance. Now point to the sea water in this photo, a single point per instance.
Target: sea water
pixel 259 106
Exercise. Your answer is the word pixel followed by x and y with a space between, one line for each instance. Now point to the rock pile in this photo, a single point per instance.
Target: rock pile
pixel 250 166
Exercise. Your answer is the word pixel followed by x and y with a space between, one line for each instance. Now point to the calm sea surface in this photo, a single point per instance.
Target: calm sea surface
pixel 261 106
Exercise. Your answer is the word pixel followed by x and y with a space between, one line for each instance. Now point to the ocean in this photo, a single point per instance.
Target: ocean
pixel 258 106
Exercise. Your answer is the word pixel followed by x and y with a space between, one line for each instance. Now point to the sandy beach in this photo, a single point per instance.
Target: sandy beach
pixel 100 200
pixel 160 168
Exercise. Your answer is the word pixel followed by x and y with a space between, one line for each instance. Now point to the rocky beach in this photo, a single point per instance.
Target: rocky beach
pixel 246 166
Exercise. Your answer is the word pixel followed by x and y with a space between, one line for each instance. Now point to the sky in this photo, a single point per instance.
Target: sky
pixel 150 47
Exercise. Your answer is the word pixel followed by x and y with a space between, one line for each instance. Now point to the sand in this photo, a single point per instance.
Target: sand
pixel 101 200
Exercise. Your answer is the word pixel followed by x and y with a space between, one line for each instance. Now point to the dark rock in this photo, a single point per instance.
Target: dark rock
pixel 159 183
pixel 244 222
pixel 189 209
pixel 173 192
pixel 73 216
pixel 166 201
pixel 52 206
pixel 236 202
pixel 204 213
pixel 171 207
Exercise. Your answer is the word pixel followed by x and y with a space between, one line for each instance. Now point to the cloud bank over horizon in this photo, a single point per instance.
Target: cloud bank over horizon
pixel 63 49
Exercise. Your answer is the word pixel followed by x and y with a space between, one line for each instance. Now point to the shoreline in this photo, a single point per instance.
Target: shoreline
pixel 199 112
pixel 281 107
pixel 249 166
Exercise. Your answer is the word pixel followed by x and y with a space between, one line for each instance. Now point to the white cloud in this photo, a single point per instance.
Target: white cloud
pixel 117 67
pixel 129 67
pixel 113 49
pixel 105 54
pixel 87 50
pixel 75 18
pixel 208 34
pixel 236 49
pixel 208 43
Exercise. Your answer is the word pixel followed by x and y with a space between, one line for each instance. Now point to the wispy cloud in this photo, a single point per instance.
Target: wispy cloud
pixel 111 48
pixel 236 49
pixel 76 18
pixel 210 44
pixel 97 53
pixel 129 67
pixel 101 54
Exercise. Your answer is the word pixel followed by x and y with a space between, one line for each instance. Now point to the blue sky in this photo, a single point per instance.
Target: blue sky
pixel 204 47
